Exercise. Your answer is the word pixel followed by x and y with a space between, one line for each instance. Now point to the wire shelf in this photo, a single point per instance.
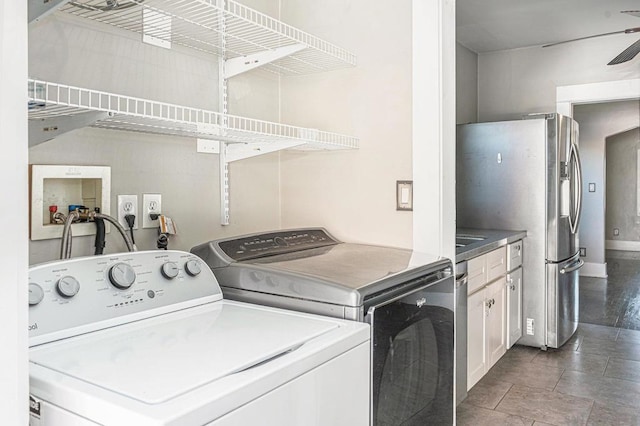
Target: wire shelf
pixel 202 24
pixel 51 100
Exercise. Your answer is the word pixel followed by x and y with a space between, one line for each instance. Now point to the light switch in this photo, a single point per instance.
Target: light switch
pixel 404 195
pixel 592 187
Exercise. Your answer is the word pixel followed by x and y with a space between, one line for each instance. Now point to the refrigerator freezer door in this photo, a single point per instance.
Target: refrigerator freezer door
pixel 562 300
pixel 564 190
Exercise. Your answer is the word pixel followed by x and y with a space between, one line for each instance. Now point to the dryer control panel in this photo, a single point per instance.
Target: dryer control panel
pixel 75 296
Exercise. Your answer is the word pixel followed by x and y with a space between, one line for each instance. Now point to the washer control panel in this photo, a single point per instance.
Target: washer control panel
pixel 273 243
pixel 71 296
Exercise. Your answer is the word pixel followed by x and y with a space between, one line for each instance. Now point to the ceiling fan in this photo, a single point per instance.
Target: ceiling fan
pixel 627 54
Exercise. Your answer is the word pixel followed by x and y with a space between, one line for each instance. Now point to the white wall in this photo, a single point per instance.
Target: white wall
pixel 401 72
pixel 519 81
pixel 352 193
pixel 466 85
pixel 71 51
pixel 13 251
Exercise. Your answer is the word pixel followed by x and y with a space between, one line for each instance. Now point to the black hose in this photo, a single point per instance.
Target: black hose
pixel 100 235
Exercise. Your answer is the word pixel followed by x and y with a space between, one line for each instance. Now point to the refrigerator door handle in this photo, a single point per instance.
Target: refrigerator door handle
pixel 573 267
pixel 575 221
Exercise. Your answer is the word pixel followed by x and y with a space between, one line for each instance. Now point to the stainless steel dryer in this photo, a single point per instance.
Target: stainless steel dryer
pixel 407 297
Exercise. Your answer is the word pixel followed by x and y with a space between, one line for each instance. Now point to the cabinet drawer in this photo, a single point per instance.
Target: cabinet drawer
pixel 496 263
pixel 476 273
pixel 514 255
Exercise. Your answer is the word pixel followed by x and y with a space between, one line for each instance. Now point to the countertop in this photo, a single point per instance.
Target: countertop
pixel 494 238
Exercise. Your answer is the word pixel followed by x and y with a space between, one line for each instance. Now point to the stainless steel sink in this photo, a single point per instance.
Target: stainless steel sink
pixel 463 240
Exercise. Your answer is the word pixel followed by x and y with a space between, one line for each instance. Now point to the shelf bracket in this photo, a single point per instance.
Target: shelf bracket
pixel 44 129
pixel 241 151
pixel 240 64
pixel 38 9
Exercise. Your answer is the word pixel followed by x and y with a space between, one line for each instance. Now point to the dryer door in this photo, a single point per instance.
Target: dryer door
pixel 412 357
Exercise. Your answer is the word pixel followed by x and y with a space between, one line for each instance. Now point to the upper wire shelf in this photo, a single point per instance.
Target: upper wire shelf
pixel 50 101
pixel 231 31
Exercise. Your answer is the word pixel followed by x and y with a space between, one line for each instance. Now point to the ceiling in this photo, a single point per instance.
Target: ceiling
pixel 490 25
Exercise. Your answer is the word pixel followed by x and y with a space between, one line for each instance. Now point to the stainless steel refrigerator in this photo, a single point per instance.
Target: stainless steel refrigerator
pixel 526 174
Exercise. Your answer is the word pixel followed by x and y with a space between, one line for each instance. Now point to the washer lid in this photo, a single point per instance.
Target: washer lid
pixel 155 360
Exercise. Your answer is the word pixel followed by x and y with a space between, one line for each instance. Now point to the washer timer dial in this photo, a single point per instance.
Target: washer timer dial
pixel 122 275
pixel 68 286
pixel 169 270
pixel 192 267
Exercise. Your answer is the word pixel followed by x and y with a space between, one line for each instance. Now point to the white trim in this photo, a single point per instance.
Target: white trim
pixel 433 126
pixel 14 253
pixel 598 270
pixel 596 92
pixel 622 245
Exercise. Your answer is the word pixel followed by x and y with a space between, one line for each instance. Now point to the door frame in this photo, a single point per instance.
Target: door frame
pixel 607 91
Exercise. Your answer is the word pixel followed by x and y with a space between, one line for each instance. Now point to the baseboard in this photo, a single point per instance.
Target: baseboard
pixel 598 270
pixel 622 245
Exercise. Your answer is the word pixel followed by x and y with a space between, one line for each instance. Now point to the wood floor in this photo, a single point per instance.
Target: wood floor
pixel 594 379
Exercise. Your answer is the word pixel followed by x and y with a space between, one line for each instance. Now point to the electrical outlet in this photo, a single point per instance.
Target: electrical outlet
pixel 583 252
pixel 616 231
pixel 151 203
pixel 128 204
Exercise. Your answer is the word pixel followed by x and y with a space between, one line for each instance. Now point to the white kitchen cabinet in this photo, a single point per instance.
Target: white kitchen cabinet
pixel 496 263
pixel 496 321
pixel 476 348
pixel 487 315
pixel 476 273
pixel 514 306
pixel 514 255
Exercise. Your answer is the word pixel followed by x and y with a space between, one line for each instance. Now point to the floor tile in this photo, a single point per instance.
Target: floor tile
pixel 618 349
pixel 519 353
pixel 571 360
pixel 602 389
pixel 546 406
pixel 613 414
pixel 487 393
pixel 471 415
pixel 597 331
pixel 623 369
pixel 526 374
pixel 629 336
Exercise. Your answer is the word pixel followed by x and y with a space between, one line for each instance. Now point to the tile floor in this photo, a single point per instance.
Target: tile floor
pixel 594 379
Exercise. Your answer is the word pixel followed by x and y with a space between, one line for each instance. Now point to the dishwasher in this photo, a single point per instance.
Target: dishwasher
pixel 407 298
pixel 461 331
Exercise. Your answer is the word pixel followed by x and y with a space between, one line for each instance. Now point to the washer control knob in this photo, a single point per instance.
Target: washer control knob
pixel 36 294
pixel 68 286
pixel 169 270
pixel 192 267
pixel 122 275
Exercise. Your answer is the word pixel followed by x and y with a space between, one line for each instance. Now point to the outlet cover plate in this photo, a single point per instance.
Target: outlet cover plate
pixel 151 203
pixel 128 204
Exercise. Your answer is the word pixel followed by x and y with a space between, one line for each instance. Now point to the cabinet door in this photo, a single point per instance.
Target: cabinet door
pixel 514 306
pixel 476 350
pixel 496 263
pixel 496 321
pixel 476 273
pixel 514 255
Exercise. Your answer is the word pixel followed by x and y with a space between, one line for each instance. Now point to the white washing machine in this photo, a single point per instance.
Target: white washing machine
pixel 145 338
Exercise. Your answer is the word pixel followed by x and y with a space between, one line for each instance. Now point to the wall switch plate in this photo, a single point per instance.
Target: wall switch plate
pixel 208 146
pixel 592 187
pixel 128 204
pixel 404 195
pixel 151 204
pixel 583 252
